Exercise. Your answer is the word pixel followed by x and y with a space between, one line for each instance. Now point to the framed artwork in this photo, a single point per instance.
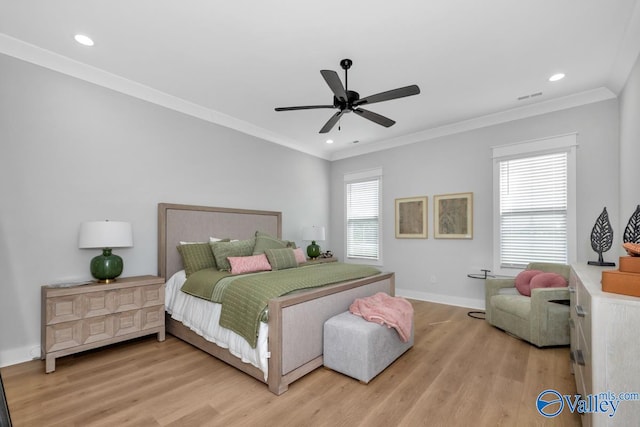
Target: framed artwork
pixel 453 216
pixel 411 218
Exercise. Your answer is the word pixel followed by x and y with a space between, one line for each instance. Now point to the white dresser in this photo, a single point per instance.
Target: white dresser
pixel 605 346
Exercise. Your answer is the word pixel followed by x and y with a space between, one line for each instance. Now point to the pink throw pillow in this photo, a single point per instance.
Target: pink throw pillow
pixel 249 264
pixel 523 280
pixel 300 256
pixel 548 280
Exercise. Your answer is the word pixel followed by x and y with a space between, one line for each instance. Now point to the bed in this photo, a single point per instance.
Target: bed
pixel 290 342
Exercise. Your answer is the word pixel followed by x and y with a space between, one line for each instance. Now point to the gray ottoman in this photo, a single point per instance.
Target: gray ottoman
pixel 360 349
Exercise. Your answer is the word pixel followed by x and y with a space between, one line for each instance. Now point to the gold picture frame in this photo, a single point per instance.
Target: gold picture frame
pixel 411 218
pixel 453 216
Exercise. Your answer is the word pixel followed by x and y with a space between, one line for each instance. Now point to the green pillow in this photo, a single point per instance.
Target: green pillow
pixel 265 241
pixel 196 256
pixel 222 250
pixel 281 259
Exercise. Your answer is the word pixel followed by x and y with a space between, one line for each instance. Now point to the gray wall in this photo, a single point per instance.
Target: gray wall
pixel 437 269
pixel 630 146
pixel 71 151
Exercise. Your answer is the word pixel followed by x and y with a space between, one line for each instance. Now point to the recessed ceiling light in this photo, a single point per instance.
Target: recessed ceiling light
pixel 329 141
pixel 556 77
pixel 83 40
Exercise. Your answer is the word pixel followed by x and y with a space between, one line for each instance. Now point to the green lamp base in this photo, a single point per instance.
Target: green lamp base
pixel 106 267
pixel 313 250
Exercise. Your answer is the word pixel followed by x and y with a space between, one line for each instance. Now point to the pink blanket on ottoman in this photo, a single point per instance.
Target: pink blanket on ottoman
pixel 395 312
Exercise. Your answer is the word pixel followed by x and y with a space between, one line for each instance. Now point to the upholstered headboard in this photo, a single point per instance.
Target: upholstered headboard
pixel 189 223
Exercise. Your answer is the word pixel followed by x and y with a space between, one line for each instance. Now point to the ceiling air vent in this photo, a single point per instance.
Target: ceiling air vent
pixel 533 95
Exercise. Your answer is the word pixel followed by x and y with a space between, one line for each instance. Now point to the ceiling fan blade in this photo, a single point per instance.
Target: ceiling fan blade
pixel 374 117
pixel 332 121
pixel 304 107
pixel 332 79
pixel 388 95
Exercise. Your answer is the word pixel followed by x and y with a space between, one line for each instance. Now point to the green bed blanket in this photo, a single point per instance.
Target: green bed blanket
pixel 244 298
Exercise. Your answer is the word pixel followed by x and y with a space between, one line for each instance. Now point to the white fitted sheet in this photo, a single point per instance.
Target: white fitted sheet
pixel 202 317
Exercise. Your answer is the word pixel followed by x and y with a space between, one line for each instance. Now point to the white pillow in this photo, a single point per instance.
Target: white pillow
pixel 215 239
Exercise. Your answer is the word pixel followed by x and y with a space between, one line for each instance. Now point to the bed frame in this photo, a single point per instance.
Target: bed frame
pixel 295 321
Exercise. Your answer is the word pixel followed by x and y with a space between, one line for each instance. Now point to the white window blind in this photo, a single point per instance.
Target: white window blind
pixel 533 209
pixel 363 219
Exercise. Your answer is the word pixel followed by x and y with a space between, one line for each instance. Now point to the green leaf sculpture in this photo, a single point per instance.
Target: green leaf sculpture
pixel 602 238
pixel 632 231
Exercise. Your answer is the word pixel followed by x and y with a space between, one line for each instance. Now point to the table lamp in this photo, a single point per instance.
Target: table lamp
pixel 313 234
pixel 105 235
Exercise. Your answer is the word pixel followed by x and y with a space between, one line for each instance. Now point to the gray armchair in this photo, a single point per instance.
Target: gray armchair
pixel 535 319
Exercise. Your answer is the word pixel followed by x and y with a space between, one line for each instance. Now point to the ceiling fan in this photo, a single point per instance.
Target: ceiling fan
pixel 347 100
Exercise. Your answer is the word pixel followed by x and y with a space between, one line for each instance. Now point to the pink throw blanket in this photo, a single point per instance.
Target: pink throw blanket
pixel 381 308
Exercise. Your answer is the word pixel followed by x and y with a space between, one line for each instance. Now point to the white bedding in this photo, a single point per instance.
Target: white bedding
pixel 203 316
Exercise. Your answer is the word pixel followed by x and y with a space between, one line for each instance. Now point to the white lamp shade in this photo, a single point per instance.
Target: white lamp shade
pixel 313 233
pixel 105 234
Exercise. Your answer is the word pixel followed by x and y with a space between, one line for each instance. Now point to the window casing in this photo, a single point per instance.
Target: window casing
pixel 534 203
pixel 363 222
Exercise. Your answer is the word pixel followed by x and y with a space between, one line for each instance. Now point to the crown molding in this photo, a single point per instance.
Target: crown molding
pixel 62 64
pixel 575 100
pixel 36 55
pixel 628 52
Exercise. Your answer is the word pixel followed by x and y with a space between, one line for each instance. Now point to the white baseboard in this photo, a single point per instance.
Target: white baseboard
pixel 19 355
pixel 441 299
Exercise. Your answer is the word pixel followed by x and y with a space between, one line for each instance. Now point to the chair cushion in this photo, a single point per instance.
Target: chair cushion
pixel 508 291
pixel 517 305
pixel 523 281
pixel 548 280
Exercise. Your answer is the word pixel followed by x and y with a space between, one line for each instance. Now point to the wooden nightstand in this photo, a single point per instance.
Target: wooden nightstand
pixel 321 260
pixel 76 318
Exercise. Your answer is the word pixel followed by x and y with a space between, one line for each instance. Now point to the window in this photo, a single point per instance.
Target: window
pixel 534 195
pixel 363 223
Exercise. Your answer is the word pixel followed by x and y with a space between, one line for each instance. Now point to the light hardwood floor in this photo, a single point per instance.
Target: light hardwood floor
pixel 460 372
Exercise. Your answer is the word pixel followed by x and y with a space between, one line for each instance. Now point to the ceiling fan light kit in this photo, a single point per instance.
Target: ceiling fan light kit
pixel 347 101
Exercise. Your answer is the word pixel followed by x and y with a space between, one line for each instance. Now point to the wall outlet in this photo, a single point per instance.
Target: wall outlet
pixel 35 353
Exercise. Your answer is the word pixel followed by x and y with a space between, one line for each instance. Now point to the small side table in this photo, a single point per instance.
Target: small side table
pixel 81 317
pixel 485 275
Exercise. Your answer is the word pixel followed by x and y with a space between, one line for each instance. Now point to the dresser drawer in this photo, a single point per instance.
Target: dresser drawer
pixel 581 312
pixel 65 335
pixel 94 304
pixel 583 363
pixel 138 320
